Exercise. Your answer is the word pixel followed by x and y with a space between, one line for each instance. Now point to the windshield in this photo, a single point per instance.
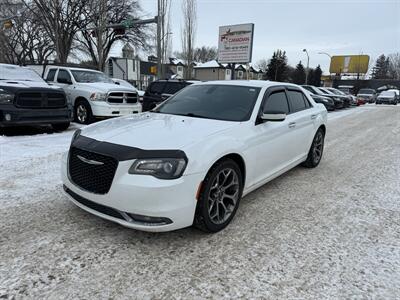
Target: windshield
pixel 219 102
pixel 10 72
pixel 387 93
pixel 326 92
pixel 337 92
pixel 90 76
pixel 366 91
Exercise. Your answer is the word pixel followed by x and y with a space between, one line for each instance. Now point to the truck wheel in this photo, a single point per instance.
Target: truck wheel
pixel 83 112
pixel 60 126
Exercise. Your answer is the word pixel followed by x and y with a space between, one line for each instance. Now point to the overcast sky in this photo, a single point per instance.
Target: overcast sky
pixel 336 27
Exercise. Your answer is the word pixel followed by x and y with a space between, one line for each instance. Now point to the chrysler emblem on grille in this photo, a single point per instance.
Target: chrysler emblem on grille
pixel 89 161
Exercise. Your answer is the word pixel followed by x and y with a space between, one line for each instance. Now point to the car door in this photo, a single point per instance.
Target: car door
pixel 64 80
pixel 301 123
pixel 271 143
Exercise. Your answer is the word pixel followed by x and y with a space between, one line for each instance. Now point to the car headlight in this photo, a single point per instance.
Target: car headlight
pixel 76 134
pixel 6 97
pixel 98 97
pixel 163 168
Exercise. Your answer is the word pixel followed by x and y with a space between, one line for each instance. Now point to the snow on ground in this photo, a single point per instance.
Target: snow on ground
pixel 330 232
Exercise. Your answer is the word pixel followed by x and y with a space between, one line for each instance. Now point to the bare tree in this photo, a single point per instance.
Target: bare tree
pixel 162 35
pixel 98 42
pixel 202 54
pixel 61 20
pixel 394 65
pixel 26 41
pixel 189 9
pixel 262 64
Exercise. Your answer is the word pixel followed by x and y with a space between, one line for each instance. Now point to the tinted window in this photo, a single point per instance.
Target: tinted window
pixel 309 89
pixel 51 74
pixel 297 102
pixel 308 104
pixel 157 87
pixel 277 102
pixel 213 101
pixel 62 74
pixel 172 87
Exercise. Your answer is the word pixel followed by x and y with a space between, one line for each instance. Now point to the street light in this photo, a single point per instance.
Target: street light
pixel 330 56
pixel 308 64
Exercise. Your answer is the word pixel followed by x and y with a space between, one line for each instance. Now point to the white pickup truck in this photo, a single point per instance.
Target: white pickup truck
pixel 93 94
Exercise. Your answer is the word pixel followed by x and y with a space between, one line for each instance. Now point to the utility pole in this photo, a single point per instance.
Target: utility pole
pixel 159 54
pixel 308 64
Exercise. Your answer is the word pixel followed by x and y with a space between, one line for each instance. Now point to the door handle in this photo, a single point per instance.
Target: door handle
pixel 292 124
pixel 313 117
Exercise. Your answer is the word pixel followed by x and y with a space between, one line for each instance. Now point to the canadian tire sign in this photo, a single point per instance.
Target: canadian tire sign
pixel 235 43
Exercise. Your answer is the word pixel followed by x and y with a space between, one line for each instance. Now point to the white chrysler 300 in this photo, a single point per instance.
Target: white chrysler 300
pixel 191 159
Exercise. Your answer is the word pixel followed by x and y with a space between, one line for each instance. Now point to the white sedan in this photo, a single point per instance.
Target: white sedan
pixel 191 160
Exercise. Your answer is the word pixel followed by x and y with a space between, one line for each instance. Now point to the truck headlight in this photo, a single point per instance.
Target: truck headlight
pixel 163 168
pixel 6 97
pixel 98 97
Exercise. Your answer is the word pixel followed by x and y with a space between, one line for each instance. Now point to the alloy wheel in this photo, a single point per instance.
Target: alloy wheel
pixel 318 147
pixel 223 195
pixel 81 113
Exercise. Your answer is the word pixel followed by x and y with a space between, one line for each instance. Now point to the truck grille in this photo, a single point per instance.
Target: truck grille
pixel 91 171
pixel 120 97
pixel 40 99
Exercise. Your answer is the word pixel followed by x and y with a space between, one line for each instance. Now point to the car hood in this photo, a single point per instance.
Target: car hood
pixel 156 131
pixel 17 84
pixel 105 87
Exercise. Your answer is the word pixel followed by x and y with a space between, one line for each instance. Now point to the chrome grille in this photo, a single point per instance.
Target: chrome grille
pixel 121 97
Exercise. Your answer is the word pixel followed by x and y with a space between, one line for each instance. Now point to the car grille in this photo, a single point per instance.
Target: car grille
pixel 95 175
pixel 40 99
pixel 120 97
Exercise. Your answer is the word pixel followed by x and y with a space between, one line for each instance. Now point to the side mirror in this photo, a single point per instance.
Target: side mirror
pixel 273 116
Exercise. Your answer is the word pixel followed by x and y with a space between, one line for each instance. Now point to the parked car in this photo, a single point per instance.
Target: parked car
pixel 160 90
pixel 367 95
pixel 387 97
pixel 327 102
pixel 93 94
pixel 338 102
pixel 26 99
pixel 127 84
pixel 346 100
pixel 190 162
pixel 351 98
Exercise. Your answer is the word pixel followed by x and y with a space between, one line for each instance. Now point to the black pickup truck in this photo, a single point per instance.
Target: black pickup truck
pixel 26 99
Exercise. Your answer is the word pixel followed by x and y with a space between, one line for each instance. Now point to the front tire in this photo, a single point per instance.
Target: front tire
pixel 219 198
pixel 317 148
pixel 83 112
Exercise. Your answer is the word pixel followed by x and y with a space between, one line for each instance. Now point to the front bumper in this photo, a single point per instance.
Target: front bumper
pixel 173 200
pixel 13 116
pixel 105 109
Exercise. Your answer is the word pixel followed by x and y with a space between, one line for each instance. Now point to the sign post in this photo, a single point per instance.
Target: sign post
pixel 235 45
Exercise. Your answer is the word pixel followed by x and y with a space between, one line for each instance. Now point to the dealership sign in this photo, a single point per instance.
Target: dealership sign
pixel 235 44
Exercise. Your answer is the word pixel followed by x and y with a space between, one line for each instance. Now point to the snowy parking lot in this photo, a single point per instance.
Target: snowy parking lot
pixel 329 232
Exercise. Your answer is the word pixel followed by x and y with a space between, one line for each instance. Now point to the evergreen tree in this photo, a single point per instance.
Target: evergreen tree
pixel 299 74
pixel 381 68
pixel 317 76
pixel 277 66
pixel 311 76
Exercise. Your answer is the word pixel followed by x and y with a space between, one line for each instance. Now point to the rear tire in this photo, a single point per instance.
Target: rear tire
pixel 60 126
pixel 316 150
pixel 219 198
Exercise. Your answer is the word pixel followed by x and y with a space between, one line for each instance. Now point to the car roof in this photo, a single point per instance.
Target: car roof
pixel 74 69
pixel 249 83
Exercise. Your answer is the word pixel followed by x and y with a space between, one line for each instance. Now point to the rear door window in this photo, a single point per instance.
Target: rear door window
pixel 172 87
pixel 296 100
pixel 157 87
pixel 51 75
pixel 63 74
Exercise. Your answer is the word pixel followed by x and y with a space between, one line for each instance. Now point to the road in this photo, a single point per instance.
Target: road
pixel 330 232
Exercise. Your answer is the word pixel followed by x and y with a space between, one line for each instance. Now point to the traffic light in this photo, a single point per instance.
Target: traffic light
pixel 8 24
pixel 119 31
